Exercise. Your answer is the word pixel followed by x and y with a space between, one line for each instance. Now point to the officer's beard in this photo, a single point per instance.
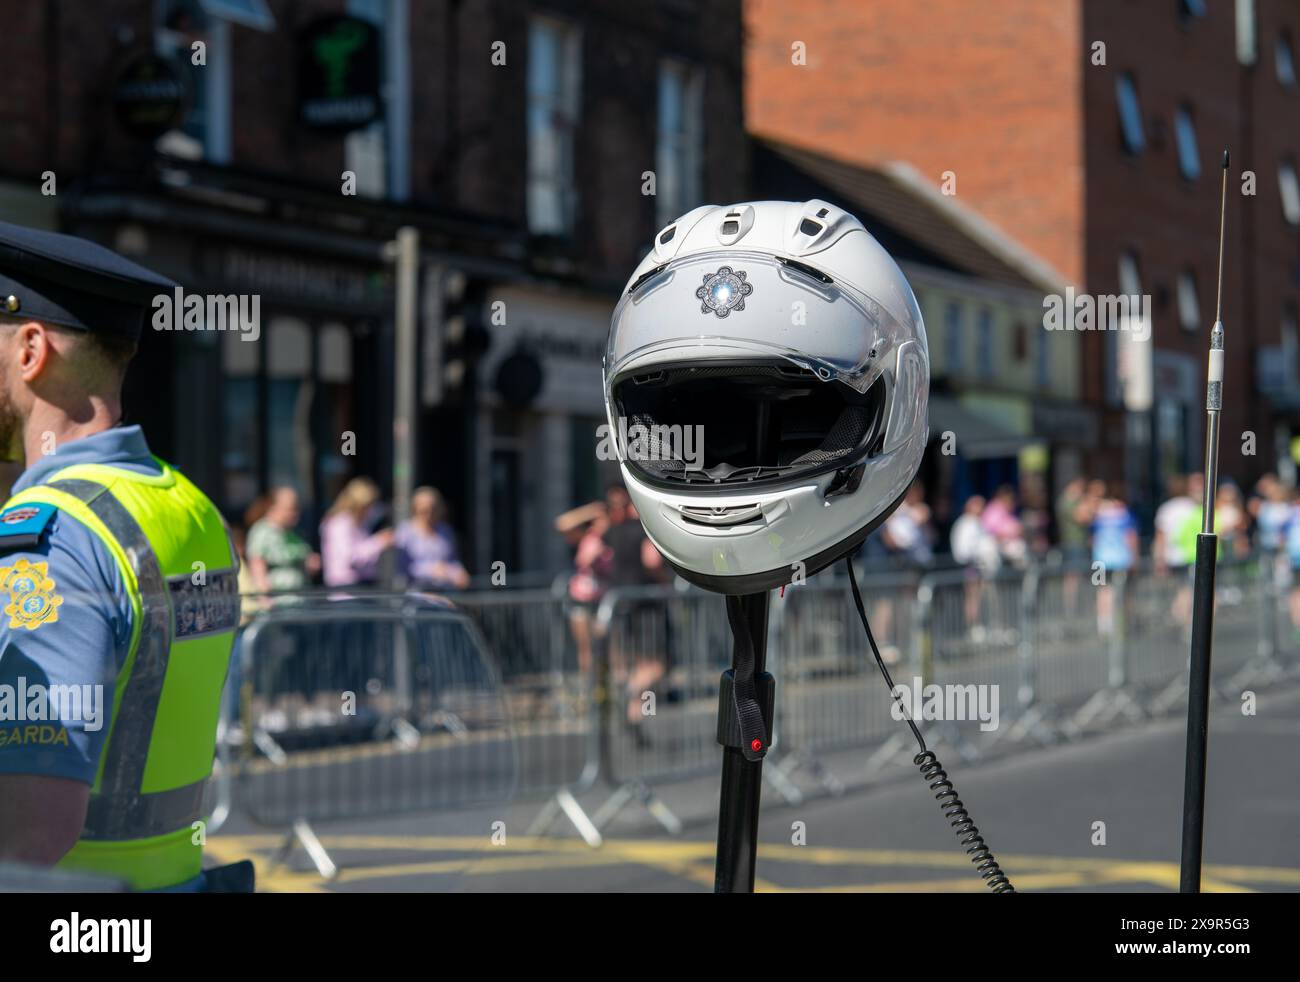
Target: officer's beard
pixel 11 428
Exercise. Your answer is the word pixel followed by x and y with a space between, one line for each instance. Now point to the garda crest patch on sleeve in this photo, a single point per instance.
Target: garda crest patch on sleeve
pixel 32 600
pixel 21 526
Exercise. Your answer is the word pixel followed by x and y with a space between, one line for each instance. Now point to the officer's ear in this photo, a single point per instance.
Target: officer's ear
pixel 33 347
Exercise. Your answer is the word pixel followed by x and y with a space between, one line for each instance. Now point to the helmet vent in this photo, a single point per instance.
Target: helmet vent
pixel 810 228
pixel 735 223
pixel 721 516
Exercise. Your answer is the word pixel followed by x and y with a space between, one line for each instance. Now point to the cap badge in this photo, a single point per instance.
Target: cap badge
pixel 724 291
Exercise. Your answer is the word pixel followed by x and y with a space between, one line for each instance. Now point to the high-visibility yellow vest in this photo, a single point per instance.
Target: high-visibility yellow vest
pixel 144 822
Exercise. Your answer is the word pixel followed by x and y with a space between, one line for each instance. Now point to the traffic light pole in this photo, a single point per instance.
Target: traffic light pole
pixel 405 252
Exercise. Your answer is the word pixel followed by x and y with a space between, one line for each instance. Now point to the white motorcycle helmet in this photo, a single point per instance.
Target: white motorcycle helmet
pixel 766 381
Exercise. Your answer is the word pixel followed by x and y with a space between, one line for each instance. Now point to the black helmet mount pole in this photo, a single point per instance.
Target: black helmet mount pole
pixel 745 705
pixel 1207 545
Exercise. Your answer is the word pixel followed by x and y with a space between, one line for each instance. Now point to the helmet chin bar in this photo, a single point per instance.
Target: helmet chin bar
pixel 773 579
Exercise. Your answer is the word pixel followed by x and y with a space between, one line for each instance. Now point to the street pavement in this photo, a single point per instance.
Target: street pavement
pixel 1099 814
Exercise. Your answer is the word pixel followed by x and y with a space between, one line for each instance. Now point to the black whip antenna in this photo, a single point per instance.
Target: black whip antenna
pixel 1207 547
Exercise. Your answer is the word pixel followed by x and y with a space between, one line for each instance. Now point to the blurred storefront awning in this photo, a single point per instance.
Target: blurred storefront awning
pixel 977 438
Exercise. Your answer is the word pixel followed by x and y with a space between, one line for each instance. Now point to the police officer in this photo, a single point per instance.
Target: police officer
pixel 118 596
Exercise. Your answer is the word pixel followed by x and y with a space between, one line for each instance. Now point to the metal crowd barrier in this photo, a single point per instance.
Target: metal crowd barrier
pixel 519 693
pixel 545 648
pixel 828 685
pixel 364 707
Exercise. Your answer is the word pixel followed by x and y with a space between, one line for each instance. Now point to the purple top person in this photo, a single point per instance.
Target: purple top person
pixel 428 546
pixel 350 555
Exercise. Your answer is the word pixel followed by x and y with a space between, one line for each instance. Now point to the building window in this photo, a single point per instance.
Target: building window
pixel 1043 361
pixel 1130 286
pixel 1021 344
pixel 680 152
pixel 1290 189
pixel 1282 56
pixel 554 50
pixel 378 154
pixel 1189 157
pixel 178 25
pixel 1190 11
pixel 249 13
pixel 1130 114
pixel 984 341
pixel 1246 50
pixel 954 327
pixel 1290 344
pixel 1130 280
pixel 1189 305
pixel 365 151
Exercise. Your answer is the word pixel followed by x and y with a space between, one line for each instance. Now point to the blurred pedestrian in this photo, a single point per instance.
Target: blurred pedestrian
pixel 1293 554
pixel 1072 522
pixel 1271 509
pixel 977 550
pixel 1000 521
pixel 583 588
pixel 1074 513
pixel 972 544
pixel 1114 548
pixel 279 559
pixel 628 559
pixel 908 533
pixel 427 545
pixel 1170 552
pixel 350 555
pixel 1034 517
pixel 1230 521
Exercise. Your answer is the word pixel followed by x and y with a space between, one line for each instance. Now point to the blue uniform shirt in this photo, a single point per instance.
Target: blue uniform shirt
pixel 61 733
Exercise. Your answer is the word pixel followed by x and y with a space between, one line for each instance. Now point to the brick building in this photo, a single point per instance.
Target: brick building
pixel 1091 132
pixel 515 137
pixel 1004 397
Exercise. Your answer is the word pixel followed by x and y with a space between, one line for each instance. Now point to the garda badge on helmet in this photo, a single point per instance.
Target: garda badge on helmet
pixel 724 291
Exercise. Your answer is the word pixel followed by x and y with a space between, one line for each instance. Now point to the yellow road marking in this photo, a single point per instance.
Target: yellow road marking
pixel 692 860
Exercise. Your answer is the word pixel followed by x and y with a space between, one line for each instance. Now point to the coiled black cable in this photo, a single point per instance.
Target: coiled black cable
pixel 934 774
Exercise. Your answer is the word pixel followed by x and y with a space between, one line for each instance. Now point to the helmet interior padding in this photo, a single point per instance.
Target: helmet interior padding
pixel 757 423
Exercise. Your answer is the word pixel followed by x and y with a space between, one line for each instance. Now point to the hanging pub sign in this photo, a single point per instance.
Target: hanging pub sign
pixel 338 74
pixel 148 97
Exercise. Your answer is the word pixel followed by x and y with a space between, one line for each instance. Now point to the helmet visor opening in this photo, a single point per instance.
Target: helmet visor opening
pixel 742 424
